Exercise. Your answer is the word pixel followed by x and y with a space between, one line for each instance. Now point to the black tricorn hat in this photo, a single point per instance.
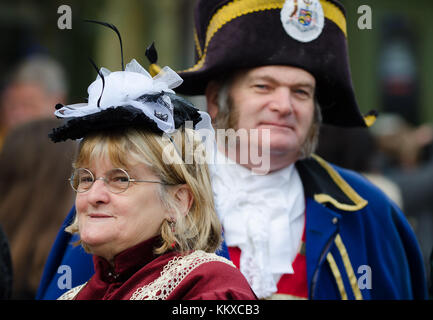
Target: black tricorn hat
pixel 308 34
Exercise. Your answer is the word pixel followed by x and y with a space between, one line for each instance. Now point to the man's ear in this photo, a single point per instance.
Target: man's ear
pixel 183 198
pixel 211 94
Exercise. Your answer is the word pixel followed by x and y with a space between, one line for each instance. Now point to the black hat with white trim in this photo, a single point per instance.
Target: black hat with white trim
pixel 129 98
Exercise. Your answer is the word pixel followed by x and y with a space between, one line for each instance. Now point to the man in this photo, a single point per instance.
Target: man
pixel 306 229
pixel 298 227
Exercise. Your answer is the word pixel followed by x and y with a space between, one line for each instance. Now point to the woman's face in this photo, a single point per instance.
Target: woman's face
pixel 110 223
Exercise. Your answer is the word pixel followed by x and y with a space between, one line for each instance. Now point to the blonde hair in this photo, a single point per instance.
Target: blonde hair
pixel 200 229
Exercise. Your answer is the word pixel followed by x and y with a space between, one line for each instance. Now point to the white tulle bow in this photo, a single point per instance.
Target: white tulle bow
pixel 122 88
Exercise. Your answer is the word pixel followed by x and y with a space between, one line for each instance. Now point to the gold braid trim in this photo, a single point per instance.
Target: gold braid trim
pixel 154 69
pixel 358 201
pixel 333 13
pixel 238 8
pixel 370 120
pixel 197 44
pixel 348 266
pixel 337 275
pixel 349 271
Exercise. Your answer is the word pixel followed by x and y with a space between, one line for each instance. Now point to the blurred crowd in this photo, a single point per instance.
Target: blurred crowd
pixel 34 195
pixel 398 158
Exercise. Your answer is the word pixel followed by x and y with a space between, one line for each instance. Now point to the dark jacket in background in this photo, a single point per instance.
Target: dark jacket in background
pixel 5 267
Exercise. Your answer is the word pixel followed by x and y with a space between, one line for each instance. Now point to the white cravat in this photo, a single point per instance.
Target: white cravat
pixel 263 215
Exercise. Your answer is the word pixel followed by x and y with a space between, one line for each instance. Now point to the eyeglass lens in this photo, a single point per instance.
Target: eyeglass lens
pixel 117 180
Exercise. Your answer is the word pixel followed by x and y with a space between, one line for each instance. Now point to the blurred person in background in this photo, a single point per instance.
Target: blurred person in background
pixel 403 146
pixel 394 156
pixel 34 197
pixel 408 162
pixel 34 86
pixel 357 149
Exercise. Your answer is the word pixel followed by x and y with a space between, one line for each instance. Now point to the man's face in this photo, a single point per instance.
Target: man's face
pixel 279 99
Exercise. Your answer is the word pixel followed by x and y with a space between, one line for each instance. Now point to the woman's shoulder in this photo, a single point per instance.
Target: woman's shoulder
pixel 215 278
pixel 195 276
pixel 199 257
pixel 210 265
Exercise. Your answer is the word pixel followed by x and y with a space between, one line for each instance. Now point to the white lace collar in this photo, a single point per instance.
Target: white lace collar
pixel 256 212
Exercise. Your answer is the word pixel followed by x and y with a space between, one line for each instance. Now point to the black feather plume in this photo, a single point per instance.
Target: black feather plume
pixel 103 80
pixel 151 53
pixel 112 27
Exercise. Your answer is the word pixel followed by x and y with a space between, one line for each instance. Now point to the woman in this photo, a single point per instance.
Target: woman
pixel 143 211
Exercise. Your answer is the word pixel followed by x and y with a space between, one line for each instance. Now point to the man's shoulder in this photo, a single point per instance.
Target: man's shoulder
pixel 323 176
pixel 362 184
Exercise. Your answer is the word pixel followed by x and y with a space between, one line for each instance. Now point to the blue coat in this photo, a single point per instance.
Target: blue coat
pixel 64 253
pixel 359 245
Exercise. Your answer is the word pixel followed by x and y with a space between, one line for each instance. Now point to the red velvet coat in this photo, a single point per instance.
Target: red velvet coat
pixel 140 274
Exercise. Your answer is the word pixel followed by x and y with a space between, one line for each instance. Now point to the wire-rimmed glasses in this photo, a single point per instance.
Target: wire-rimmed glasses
pixel 117 180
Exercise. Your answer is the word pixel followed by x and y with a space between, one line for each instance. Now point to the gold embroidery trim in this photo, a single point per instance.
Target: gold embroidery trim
pixel 358 201
pixel 154 69
pixel 333 13
pixel 337 275
pixel 238 8
pixel 173 273
pixel 370 120
pixel 303 249
pixel 197 44
pixel 72 293
pixel 348 266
